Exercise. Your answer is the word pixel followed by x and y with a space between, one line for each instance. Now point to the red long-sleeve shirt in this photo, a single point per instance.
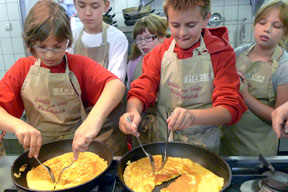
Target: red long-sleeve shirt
pixel 91 76
pixel 226 80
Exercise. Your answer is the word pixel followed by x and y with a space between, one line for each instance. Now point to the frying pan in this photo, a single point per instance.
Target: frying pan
pixel 201 155
pixel 54 149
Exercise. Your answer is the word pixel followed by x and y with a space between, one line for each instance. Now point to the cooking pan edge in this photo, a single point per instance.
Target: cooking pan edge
pixel 201 155
pixel 54 149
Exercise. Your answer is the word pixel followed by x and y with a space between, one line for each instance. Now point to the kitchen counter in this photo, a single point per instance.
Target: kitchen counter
pixel 5 171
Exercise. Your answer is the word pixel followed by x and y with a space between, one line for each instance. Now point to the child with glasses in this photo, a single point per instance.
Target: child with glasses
pixel 148 32
pixel 263 68
pixel 108 46
pixel 54 87
pixel 192 75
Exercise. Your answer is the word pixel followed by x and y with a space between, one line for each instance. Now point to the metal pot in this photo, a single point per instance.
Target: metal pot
pixel 201 155
pixel 54 149
pixel 132 13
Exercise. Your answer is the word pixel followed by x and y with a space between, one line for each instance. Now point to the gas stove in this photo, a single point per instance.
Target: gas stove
pixel 247 173
pixel 250 175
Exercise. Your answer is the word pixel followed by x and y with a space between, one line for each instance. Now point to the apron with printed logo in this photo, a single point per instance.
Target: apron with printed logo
pixel 251 135
pixel 110 132
pixel 52 102
pixel 187 83
pixel 148 125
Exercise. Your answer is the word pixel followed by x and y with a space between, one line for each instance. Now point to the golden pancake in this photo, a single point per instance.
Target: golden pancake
pixel 88 166
pixel 192 177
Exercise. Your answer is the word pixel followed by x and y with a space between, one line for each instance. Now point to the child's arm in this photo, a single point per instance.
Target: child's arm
pixel 27 135
pixel 182 118
pixel 261 110
pixel 89 129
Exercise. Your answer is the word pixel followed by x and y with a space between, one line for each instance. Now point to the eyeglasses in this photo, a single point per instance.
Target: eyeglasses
pixel 146 39
pixel 43 49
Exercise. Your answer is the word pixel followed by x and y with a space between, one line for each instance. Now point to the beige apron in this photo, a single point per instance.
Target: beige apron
pixel 52 102
pixel 110 132
pixel 99 54
pixel 148 125
pixel 251 135
pixel 187 83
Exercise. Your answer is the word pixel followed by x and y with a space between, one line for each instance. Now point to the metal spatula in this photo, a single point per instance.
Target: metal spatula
pixel 49 171
pixel 62 172
pixel 146 153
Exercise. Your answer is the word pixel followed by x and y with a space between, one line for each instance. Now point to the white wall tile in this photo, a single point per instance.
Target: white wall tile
pixel 230 13
pixel 13 11
pixel 18 46
pixel 248 32
pixel 9 61
pixel 12 1
pixel 231 2
pixel 244 2
pixel 119 5
pixel 16 28
pixel 3 11
pixel 245 11
pixel 18 56
pixel 2 73
pixel 217 3
pixel 3 32
pixel 2 66
pixel 132 3
pixel 232 31
pixel 6 45
pixel 2 1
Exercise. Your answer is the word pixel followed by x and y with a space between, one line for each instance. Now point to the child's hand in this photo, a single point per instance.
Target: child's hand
pixel 85 134
pixel 30 138
pixel 279 120
pixel 244 85
pixel 129 122
pixel 180 119
pixel 242 76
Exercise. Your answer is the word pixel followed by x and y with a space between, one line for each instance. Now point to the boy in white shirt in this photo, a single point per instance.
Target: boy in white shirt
pixel 104 43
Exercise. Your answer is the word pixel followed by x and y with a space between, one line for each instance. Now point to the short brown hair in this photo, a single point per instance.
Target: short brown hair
pixel 155 24
pixel 46 18
pixel 282 6
pixel 181 5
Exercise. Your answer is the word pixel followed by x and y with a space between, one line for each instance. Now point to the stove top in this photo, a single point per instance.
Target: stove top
pixel 246 173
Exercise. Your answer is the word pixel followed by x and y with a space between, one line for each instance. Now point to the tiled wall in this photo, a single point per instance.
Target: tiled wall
pixel 11 43
pixel 12 47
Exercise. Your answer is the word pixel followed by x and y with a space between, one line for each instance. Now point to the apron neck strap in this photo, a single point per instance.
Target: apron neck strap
pixel 172 46
pixel 201 49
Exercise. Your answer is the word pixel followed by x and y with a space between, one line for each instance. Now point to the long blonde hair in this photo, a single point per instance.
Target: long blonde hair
pixel 46 18
pixel 155 24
